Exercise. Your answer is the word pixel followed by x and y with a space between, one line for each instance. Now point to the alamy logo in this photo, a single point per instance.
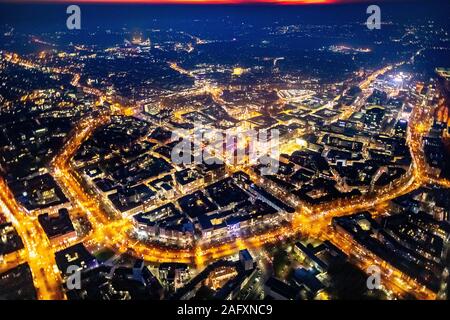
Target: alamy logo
pixel 74 279
pixel 73 21
pixel 374 279
pixel 234 146
pixel 374 20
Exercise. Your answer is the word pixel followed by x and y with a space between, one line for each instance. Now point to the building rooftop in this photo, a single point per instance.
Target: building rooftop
pixel 56 225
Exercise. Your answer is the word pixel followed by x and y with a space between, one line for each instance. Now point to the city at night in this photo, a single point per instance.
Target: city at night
pixel 199 152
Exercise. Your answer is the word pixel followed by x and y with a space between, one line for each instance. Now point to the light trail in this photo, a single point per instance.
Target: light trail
pixel 38 250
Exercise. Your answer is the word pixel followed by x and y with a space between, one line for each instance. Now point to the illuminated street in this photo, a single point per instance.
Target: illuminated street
pixel 259 158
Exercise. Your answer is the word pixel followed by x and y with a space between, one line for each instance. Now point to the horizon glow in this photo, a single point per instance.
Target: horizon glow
pixel 207 2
